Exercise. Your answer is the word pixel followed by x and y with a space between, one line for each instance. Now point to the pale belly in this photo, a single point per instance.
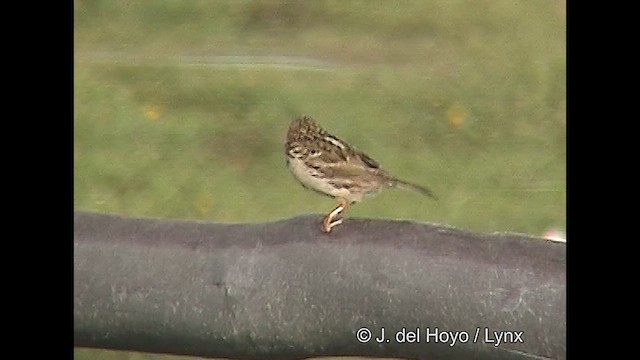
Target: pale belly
pixel 305 176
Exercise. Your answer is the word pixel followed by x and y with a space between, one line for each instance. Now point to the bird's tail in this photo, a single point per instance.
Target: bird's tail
pixel 417 188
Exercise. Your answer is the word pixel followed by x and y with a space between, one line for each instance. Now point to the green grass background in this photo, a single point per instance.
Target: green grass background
pixel 181 107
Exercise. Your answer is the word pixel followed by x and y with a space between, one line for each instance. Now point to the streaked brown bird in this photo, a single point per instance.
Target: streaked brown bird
pixel 328 165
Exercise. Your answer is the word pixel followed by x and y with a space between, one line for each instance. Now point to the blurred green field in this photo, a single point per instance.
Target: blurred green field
pixel 181 107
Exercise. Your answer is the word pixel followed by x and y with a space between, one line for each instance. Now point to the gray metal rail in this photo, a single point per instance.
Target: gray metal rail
pixel 285 290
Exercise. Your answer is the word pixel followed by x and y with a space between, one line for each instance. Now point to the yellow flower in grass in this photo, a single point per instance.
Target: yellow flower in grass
pixel 152 111
pixel 456 116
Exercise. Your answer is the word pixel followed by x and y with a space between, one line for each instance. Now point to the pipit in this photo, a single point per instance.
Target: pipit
pixel 330 166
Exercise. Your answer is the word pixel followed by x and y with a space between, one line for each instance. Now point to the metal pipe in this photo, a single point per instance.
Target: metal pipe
pixel 285 290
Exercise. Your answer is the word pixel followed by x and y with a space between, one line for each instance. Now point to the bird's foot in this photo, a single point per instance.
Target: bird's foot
pixel 332 219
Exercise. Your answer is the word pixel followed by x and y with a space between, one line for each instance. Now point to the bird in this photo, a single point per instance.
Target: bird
pixel 326 164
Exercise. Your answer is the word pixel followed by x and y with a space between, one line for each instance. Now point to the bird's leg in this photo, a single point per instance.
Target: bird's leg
pixel 334 217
